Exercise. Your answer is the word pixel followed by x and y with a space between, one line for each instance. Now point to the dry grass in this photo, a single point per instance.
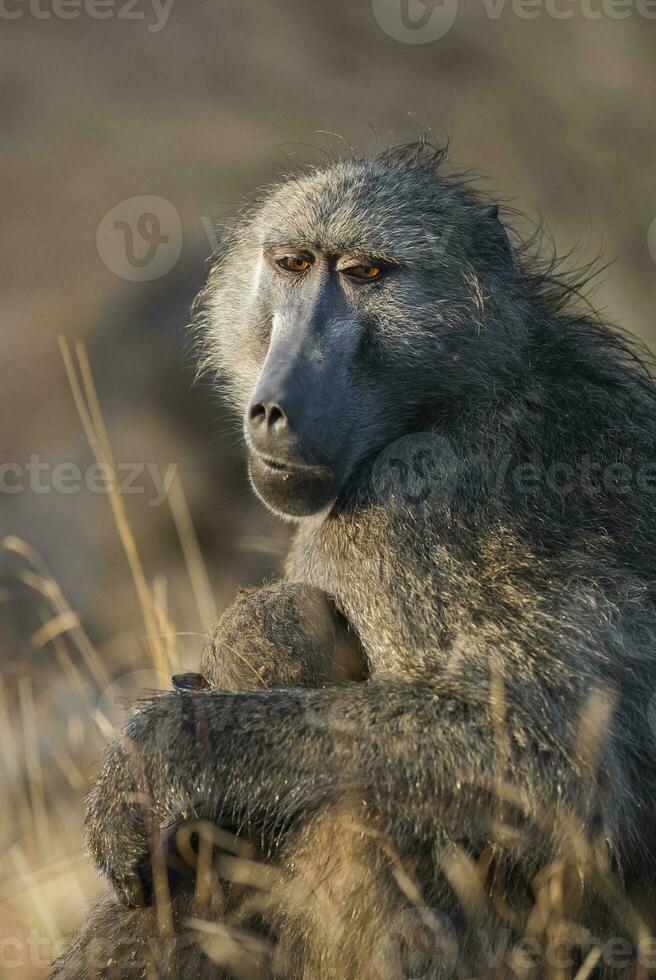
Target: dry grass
pixel 55 715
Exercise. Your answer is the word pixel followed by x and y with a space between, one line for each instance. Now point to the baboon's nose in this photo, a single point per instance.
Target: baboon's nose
pixel 268 424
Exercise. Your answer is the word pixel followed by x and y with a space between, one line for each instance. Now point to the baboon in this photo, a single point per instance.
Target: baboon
pixel 433 737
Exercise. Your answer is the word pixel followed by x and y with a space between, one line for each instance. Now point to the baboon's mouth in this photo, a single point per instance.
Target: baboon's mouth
pixel 275 464
pixel 293 467
pixel 295 488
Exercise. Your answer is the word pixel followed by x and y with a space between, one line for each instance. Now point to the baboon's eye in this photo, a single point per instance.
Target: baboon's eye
pixel 294 263
pixel 363 271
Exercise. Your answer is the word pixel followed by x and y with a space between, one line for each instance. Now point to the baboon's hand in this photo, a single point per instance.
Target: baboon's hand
pixel 132 802
pixel 211 755
pixel 117 814
pixel 181 757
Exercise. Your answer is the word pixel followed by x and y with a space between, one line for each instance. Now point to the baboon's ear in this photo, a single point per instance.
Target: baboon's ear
pixel 491 239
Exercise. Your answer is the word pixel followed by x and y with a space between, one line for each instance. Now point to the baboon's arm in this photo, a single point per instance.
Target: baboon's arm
pixel 413 754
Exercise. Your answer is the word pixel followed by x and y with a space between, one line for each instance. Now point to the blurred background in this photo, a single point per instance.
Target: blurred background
pixel 129 132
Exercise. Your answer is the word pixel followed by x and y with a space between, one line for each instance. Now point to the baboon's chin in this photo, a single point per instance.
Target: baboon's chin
pixel 292 491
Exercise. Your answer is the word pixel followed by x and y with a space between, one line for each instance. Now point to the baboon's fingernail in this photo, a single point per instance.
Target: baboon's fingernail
pixel 131 893
pixel 190 682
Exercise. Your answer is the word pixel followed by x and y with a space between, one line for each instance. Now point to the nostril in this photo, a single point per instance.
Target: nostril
pixel 267 416
pixel 257 413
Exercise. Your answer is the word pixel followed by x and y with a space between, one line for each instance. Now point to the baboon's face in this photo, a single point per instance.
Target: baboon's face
pixel 310 401
pixel 336 316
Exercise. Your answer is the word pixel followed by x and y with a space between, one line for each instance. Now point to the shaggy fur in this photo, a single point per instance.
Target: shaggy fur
pixel 493 776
